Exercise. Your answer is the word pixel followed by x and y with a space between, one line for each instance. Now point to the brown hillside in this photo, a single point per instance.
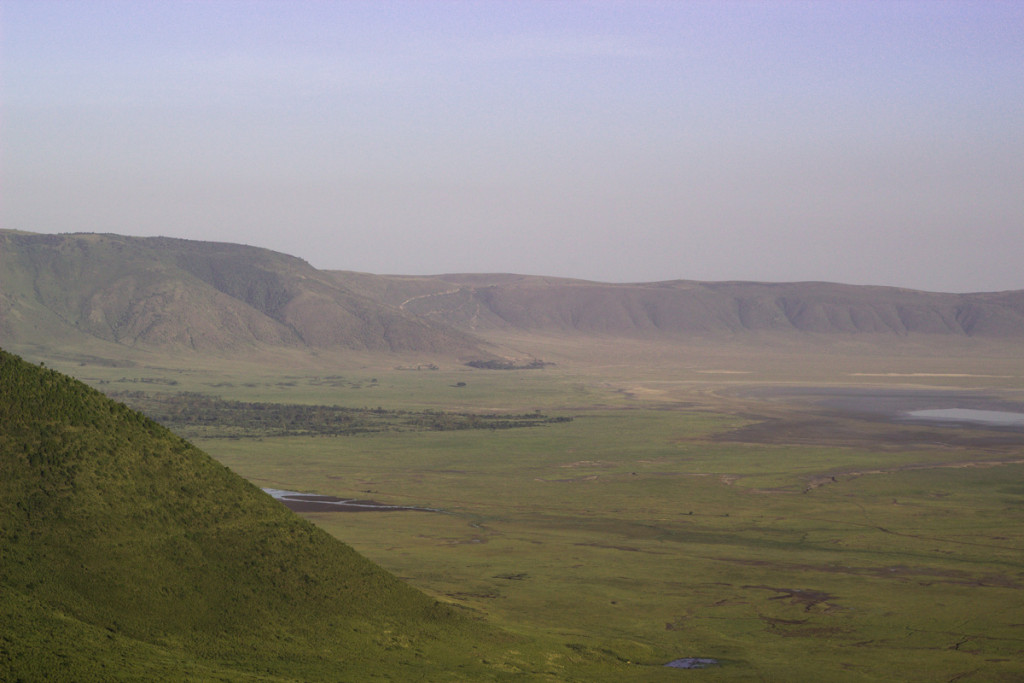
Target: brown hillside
pixel 162 292
pixel 482 304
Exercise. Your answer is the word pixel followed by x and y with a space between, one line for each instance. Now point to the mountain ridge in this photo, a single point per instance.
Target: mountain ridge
pixel 173 294
pixel 169 293
pixel 684 307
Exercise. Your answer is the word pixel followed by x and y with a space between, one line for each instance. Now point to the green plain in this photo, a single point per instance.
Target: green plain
pixel 640 532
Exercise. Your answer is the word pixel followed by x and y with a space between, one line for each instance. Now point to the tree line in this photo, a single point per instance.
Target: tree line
pixel 194 414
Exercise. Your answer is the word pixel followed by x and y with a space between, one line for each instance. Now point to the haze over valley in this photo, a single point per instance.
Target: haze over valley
pixel 542 478
pixel 525 341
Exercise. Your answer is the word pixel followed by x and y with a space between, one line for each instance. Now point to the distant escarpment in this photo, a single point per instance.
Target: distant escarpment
pixel 684 308
pixel 161 293
pixel 171 293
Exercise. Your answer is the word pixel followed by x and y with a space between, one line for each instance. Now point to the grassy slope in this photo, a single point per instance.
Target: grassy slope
pixel 127 552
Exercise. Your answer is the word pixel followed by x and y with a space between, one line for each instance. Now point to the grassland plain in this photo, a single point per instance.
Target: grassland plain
pixel 629 532
pixel 659 524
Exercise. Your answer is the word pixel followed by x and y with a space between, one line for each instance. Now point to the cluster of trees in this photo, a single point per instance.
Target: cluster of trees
pixel 535 364
pixel 193 414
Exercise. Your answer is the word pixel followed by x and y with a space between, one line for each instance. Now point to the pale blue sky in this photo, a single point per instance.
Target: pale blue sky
pixel 865 142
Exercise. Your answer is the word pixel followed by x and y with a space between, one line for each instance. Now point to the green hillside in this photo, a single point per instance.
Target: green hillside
pixel 127 553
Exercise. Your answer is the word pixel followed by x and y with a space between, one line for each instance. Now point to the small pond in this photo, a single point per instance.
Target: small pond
pixel 313 502
pixel 692 663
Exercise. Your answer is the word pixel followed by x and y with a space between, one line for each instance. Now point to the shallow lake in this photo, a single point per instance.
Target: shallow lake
pixel 995 418
pixel 934 406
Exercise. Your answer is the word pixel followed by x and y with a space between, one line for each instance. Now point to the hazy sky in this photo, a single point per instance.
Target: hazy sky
pixel 865 142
